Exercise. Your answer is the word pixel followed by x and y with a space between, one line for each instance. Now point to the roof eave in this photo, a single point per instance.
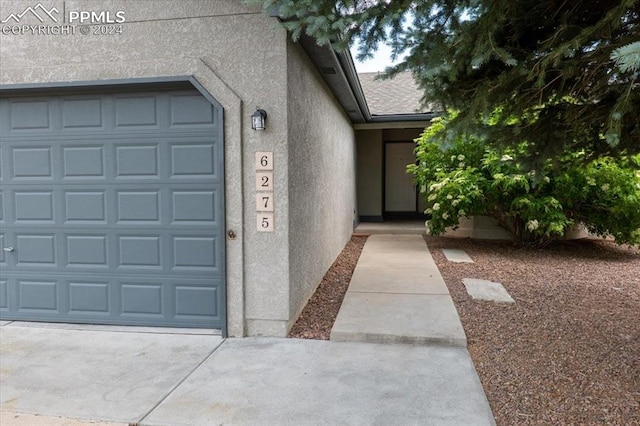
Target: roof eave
pixel 394 118
pixel 397 121
pixel 339 72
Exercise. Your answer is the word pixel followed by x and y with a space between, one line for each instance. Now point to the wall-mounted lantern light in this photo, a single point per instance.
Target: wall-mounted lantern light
pixel 259 119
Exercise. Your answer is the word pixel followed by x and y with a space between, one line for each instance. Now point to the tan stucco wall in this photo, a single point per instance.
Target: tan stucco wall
pixel 480 227
pixel 240 57
pixel 322 200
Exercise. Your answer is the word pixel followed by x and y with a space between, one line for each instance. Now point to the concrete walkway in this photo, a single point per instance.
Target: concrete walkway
pixel 51 375
pixel 398 295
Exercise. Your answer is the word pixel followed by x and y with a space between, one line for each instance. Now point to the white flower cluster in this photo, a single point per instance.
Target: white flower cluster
pixel 436 186
pixel 532 225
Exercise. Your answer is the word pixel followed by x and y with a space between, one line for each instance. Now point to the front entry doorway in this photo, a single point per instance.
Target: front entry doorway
pixel 401 197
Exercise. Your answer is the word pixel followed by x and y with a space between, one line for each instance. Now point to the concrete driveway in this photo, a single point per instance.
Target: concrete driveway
pixel 124 375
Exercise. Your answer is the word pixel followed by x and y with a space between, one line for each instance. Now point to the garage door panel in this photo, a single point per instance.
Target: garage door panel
pixel 38 295
pixel 140 252
pixel 88 251
pixel 7 240
pixel 194 207
pixel 142 299
pixel 82 113
pixel 35 250
pixel 84 207
pixel 30 115
pixel 191 111
pixel 136 160
pixel 114 206
pixel 83 161
pixel 179 111
pixel 136 111
pixel 195 301
pixel 3 256
pixel 89 297
pixel 4 297
pixel 139 300
pixel 34 207
pixel 193 160
pixel 138 206
pixel 195 253
pixel 32 163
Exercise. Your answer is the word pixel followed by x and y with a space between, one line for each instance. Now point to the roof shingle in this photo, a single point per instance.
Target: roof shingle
pixel 398 95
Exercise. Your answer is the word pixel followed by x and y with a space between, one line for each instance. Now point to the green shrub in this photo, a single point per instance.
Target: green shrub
pixel 467 177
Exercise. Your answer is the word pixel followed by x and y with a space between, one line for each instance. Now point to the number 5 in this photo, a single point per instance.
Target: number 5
pixel 265 222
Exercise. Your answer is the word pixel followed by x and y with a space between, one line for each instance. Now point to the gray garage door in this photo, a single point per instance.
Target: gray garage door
pixel 111 209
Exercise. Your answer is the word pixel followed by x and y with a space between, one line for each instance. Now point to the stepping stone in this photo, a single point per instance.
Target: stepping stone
pixel 458 256
pixel 487 290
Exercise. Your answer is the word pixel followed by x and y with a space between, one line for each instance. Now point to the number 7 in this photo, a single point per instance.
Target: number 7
pixel 264 201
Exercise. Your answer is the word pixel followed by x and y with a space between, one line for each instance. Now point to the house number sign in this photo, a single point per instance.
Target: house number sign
pixel 264 191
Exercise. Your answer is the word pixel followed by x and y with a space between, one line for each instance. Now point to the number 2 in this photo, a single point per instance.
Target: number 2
pixel 264 181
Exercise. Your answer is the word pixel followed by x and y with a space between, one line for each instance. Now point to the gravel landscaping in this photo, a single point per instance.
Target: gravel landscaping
pixel 566 352
pixel 318 316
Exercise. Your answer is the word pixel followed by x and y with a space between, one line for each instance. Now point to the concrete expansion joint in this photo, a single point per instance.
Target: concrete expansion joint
pixel 408 293
pixel 181 381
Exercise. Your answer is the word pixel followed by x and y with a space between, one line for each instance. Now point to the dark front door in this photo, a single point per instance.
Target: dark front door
pixel 400 194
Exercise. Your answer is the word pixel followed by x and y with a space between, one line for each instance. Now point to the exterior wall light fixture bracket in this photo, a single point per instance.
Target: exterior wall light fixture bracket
pixel 259 119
